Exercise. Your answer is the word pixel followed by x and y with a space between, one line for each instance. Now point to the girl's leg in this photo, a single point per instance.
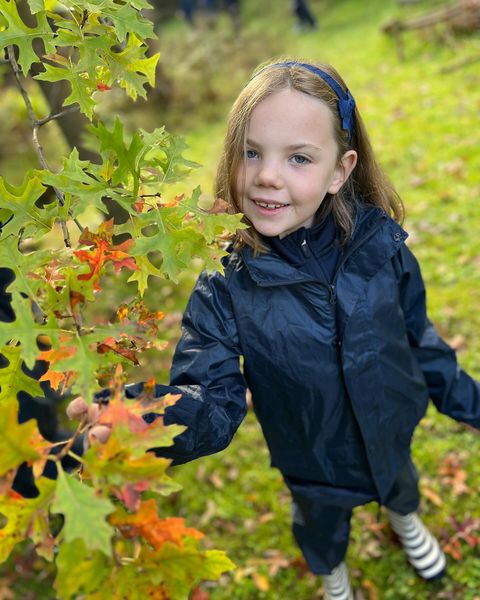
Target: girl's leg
pixel 322 533
pixel 337 584
pixel 421 547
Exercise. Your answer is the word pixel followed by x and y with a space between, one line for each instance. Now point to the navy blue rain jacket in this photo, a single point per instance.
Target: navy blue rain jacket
pixel 340 374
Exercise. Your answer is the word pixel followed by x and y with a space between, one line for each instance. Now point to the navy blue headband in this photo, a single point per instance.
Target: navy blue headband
pixel 346 103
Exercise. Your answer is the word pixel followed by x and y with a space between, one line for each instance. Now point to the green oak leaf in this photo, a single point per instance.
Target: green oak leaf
pixel 80 505
pixel 168 244
pixel 17 441
pixel 27 518
pixel 21 201
pixel 26 330
pixel 173 164
pixel 80 571
pixel 78 180
pixel 13 379
pixel 96 50
pixel 113 147
pixel 20 35
pixel 132 69
pixel 146 269
pixel 211 226
pixel 81 85
pixel 127 20
pixel 21 265
pixel 36 6
pixel 179 568
pixel 115 464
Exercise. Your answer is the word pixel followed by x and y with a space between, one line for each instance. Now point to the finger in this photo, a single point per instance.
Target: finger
pixel 99 433
pixel 93 413
pixel 77 408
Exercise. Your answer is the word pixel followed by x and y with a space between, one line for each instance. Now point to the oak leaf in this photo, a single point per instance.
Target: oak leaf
pixel 12 377
pixel 19 442
pixel 80 504
pixel 27 518
pixel 147 524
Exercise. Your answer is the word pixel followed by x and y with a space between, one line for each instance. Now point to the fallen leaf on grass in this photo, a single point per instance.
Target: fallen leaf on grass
pixel 429 494
pixel 261 582
pixel 371 589
pixel 216 481
pixel 452 475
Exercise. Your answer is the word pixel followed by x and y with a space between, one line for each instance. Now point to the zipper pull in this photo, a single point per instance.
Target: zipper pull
pixel 333 294
pixel 305 248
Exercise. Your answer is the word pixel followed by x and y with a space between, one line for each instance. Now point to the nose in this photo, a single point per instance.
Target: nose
pixel 268 174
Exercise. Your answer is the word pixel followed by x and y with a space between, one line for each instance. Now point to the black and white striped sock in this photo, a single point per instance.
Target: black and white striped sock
pixel 422 549
pixel 337 584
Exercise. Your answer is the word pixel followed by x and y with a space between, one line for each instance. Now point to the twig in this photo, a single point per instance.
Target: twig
pixel 68 446
pixel 38 148
pixel 41 122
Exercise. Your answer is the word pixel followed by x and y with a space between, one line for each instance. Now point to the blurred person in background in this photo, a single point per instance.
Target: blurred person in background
pixel 306 20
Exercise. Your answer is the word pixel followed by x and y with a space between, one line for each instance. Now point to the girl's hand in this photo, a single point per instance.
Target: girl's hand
pixel 79 409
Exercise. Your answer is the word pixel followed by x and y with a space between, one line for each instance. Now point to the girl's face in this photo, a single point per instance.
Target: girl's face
pixel 291 162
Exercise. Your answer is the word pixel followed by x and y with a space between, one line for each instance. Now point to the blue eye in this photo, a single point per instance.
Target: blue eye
pixel 251 154
pixel 300 160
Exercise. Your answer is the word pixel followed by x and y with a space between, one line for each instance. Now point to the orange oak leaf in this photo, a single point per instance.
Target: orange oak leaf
pixel 103 250
pixel 147 524
pixel 54 378
pixel 117 413
pixel 172 203
pixel 103 87
pixel 64 351
pixel 139 205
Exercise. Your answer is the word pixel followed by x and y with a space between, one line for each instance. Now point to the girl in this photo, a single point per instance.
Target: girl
pixel 326 305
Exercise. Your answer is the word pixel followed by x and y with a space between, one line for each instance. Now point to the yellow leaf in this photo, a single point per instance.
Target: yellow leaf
pixel 261 582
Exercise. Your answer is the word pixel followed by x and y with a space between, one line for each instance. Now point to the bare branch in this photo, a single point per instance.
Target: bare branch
pixel 36 143
pixel 59 115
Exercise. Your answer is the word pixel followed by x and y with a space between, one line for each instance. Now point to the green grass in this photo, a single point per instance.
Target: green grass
pixel 424 127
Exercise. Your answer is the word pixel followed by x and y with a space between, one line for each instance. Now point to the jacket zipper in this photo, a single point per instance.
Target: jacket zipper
pixel 345 257
pixel 332 290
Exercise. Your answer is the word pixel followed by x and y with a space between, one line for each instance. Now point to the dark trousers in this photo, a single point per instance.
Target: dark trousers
pixel 322 530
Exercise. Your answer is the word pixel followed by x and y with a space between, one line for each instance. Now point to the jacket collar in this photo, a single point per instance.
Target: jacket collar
pixel 375 240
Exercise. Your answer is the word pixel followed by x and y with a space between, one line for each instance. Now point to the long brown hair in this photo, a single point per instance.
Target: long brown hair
pixel 367 183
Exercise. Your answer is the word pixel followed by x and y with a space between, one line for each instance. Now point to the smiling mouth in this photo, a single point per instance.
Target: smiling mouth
pixel 269 205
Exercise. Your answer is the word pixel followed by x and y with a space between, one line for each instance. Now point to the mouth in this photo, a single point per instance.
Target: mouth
pixel 268 205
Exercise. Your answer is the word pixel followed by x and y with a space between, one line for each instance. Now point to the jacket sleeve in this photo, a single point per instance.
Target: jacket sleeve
pixel 451 389
pixel 206 372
